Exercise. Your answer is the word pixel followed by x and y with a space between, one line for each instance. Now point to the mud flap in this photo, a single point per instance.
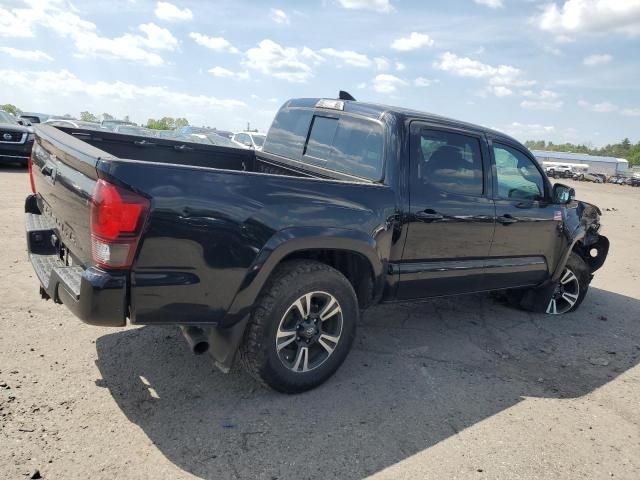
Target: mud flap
pixel 537 299
pixel 225 342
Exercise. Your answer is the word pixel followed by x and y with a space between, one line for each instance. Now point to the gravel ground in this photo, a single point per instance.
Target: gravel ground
pixel 453 388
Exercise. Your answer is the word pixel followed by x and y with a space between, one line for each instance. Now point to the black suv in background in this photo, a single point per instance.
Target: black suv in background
pixel 16 140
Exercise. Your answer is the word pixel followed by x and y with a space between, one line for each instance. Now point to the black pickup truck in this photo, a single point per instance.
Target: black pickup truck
pixel 272 254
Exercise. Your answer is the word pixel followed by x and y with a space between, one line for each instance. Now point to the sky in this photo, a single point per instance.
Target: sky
pixel 566 71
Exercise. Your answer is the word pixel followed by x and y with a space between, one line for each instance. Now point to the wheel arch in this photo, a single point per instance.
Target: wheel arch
pixel 353 253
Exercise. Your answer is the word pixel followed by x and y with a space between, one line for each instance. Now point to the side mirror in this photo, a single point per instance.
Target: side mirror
pixel 248 143
pixel 563 194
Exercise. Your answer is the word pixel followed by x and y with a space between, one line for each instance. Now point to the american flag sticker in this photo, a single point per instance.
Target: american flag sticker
pixel 557 216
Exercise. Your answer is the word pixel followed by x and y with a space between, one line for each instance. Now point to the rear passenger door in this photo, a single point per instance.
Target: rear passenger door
pixel 451 217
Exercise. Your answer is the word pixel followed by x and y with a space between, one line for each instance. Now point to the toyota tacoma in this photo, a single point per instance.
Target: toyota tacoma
pixel 270 256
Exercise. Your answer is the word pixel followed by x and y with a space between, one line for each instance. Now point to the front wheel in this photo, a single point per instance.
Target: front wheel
pixel 567 294
pixel 302 327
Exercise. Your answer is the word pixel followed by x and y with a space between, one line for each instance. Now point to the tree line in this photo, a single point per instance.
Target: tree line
pixel 624 149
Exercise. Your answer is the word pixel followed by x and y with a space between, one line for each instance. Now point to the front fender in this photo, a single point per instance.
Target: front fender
pixel 296 239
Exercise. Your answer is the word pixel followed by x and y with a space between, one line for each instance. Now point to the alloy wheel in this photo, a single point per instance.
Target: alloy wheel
pixel 565 294
pixel 309 331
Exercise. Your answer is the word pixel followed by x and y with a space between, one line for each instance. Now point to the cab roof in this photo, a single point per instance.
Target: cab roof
pixel 376 111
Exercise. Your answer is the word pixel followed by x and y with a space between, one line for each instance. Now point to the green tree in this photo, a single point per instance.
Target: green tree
pixel 181 122
pixel 88 117
pixel 12 109
pixel 107 116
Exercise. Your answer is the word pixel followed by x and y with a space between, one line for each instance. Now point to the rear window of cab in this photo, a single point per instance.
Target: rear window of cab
pixel 342 143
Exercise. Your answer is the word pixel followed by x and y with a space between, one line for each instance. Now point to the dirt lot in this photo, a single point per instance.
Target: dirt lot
pixel 453 388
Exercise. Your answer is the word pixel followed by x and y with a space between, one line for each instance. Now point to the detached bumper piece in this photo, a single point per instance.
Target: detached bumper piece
pixel 93 295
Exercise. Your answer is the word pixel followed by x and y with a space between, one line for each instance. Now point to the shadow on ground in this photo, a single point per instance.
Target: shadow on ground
pixel 418 374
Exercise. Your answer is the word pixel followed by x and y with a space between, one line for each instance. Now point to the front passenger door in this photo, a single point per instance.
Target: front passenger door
pixel 527 238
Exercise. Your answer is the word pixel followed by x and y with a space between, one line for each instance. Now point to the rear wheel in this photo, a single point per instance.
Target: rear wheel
pixel 302 327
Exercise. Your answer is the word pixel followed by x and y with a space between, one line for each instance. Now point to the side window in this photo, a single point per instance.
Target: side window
pixel 517 176
pixel 450 162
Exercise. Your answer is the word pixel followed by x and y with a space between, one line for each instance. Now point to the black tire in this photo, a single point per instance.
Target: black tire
pixel 563 294
pixel 577 265
pixel 290 282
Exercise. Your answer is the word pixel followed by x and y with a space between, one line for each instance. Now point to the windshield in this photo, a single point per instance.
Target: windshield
pixel 258 140
pixel 6 117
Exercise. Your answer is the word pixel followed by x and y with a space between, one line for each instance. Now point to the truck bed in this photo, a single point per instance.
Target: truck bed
pixel 214 211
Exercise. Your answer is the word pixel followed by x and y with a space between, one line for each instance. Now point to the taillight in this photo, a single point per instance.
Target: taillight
pixel 117 219
pixel 30 164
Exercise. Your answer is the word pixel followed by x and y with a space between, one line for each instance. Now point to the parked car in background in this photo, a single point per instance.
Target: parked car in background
pixel 272 254
pixel 112 124
pixel 62 122
pixel 251 140
pixel 129 129
pixel 16 140
pixel 216 139
pixel 559 171
pixel 589 177
pixel 34 118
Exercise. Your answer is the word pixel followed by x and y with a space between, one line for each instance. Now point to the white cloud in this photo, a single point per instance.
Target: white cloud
pixel 33 55
pixel 414 41
pixel 219 44
pixel 631 112
pixel 221 72
pixel 591 16
pixel 128 46
pixel 279 16
pixel 385 83
pixel 287 63
pixel 382 6
pixel 504 75
pixel 501 91
pixel 541 105
pixel 59 17
pixel 400 66
pixel 348 56
pixel 490 3
pixel 422 82
pixel 170 12
pixel 529 130
pixel 593 60
pixel 66 84
pixel 382 63
pixel 602 107
pixel 541 100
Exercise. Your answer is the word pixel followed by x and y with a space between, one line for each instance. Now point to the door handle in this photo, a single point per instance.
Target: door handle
pixel 428 215
pixel 506 219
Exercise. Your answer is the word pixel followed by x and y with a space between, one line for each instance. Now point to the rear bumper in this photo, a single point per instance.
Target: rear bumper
pixel 96 297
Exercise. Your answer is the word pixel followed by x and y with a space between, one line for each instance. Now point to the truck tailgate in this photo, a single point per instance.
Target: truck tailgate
pixel 64 174
pixel 57 222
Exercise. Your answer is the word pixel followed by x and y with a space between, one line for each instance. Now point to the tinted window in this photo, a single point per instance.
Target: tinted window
pixel 448 161
pixel 288 133
pixel 517 176
pixel 349 145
